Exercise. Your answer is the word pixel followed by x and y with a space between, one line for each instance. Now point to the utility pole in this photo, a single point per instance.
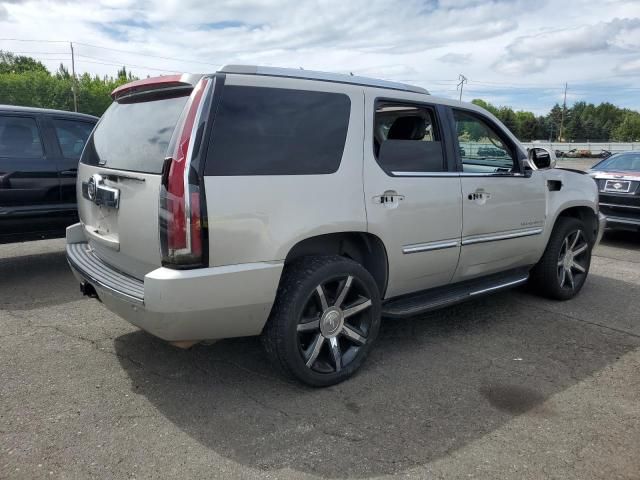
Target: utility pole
pixel 463 80
pixel 73 81
pixel 564 109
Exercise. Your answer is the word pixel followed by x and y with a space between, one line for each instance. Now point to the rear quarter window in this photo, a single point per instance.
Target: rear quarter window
pixel 272 131
pixel 72 136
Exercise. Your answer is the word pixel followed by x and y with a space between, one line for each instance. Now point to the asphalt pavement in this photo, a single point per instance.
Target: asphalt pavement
pixel 508 386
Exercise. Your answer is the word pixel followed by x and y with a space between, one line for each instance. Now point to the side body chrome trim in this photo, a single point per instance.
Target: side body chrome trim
pixel 458 174
pixel 429 247
pixel 501 236
pixel 426 174
pixel 498 287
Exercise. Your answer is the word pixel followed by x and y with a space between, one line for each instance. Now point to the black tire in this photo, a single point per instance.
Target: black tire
pixel 557 275
pixel 322 343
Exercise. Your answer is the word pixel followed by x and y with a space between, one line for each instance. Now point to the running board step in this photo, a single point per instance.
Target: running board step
pixel 426 301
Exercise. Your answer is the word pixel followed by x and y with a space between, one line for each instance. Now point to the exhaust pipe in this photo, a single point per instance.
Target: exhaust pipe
pixel 88 290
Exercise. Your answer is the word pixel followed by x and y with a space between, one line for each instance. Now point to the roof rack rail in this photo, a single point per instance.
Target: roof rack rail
pixel 322 76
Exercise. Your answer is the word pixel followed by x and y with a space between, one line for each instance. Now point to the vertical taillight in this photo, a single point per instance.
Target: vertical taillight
pixel 182 233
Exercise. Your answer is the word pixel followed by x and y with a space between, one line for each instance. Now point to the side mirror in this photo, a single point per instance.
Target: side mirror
pixel 542 158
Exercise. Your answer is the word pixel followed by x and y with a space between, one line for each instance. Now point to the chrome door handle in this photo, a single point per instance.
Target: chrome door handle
pixel 389 198
pixel 480 196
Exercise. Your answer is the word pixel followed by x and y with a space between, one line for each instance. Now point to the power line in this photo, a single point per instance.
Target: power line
pixel 126 64
pixel 129 52
pixel 32 40
pixel 148 55
pixel 39 53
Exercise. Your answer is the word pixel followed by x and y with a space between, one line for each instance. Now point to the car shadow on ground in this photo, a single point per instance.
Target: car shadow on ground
pixel 432 385
pixel 621 239
pixel 36 281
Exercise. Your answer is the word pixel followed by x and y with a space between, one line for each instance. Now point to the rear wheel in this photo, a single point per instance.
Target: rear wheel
pixel 325 319
pixel 563 269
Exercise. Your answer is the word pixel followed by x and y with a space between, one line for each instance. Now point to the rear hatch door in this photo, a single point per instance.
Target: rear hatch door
pixel 120 172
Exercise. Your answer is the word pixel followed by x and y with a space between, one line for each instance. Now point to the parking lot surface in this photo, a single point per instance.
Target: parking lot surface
pixel 508 386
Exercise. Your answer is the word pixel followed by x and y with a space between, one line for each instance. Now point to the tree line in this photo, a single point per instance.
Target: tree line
pixel 26 81
pixel 583 121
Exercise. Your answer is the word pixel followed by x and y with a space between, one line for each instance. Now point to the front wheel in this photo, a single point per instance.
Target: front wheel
pixel 324 321
pixel 563 269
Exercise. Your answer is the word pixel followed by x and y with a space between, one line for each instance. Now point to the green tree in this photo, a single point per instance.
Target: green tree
pixel 10 63
pixel 486 105
pixel 629 128
pixel 36 87
pixel 527 126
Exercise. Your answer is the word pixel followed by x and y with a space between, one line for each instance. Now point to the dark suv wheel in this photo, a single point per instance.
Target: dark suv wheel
pixel 563 269
pixel 324 321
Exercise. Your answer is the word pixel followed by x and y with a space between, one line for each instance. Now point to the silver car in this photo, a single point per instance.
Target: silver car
pixel 304 206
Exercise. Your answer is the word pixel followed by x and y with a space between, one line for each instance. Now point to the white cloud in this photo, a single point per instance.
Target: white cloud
pixel 617 35
pixel 629 67
pixel 455 58
pixel 427 42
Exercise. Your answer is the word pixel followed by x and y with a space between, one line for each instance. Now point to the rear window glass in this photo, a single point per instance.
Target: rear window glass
pixel 19 138
pixel 72 136
pixel 135 136
pixel 273 131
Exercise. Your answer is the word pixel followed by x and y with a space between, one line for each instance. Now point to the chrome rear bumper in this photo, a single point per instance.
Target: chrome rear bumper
pixel 92 269
pixel 180 305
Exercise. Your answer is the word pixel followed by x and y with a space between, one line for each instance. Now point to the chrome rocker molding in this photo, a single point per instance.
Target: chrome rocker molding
pixel 501 286
pixel 503 236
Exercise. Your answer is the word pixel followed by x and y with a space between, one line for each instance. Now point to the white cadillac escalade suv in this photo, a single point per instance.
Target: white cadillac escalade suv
pixel 304 206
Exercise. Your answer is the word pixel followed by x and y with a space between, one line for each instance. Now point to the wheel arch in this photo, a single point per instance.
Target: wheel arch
pixel 586 214
pixel 365 248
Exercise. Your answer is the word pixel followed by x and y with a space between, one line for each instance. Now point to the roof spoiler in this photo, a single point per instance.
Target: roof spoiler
pixel 155 83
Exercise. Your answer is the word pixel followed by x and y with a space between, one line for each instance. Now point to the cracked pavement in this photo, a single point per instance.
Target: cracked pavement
pixel 508 386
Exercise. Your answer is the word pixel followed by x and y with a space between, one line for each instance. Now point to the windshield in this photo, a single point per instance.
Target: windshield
pixel 620 162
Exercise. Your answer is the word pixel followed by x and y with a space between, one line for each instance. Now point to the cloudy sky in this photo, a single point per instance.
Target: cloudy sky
pixel 513 52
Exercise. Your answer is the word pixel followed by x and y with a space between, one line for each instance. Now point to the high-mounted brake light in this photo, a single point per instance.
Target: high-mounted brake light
pixel 146 84
pixel 182 232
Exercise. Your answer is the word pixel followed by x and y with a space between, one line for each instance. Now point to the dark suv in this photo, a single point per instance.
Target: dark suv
pixel 39 153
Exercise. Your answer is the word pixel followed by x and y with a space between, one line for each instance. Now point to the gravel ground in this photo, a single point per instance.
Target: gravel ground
pixel 509 386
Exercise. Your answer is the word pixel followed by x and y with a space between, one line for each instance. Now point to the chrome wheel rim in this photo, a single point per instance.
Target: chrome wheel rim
pixel 334 325
pixel 573 260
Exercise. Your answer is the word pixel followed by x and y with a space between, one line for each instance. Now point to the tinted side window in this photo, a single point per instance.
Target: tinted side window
pixel 406 139
pixel 273 131
pixel 481 147
pixel 72 135
pixel 19 137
